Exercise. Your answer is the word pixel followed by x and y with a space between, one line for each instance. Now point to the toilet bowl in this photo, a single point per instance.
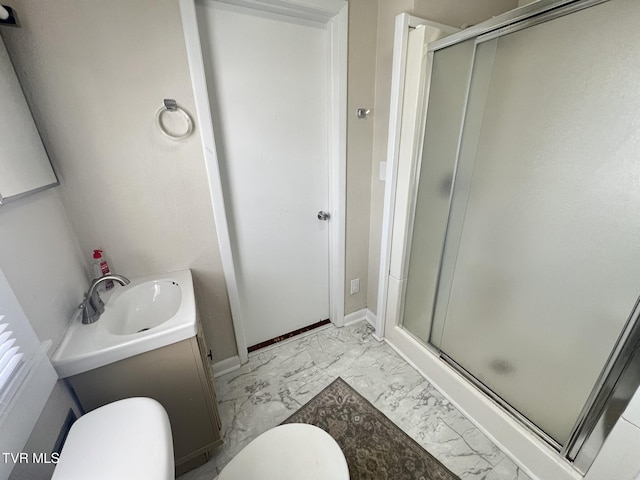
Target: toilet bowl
pixel 126 440
pixel 131 440
pixel 295 451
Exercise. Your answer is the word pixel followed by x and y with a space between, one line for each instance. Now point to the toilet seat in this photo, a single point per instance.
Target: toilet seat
pixel 295 451
pixel 126 440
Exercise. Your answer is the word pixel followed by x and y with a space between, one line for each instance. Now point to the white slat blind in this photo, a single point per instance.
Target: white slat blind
pixel 10 355
pixel 26 376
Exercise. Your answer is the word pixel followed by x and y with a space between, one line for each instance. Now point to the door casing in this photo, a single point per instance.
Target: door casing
pixel 337 25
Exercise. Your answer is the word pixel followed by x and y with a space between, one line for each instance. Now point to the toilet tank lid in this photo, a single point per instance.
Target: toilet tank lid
pixel 127 439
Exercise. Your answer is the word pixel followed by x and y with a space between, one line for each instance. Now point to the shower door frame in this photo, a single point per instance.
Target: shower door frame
pixel 403 24
pixel 506 427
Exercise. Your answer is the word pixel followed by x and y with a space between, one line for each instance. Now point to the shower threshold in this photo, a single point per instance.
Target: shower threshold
pixel 501 402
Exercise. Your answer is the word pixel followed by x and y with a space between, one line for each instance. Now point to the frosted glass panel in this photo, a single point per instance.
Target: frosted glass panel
pixel 449 82
pixel 546 264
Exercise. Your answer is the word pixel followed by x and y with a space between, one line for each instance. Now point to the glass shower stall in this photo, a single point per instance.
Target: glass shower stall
pixel 522 255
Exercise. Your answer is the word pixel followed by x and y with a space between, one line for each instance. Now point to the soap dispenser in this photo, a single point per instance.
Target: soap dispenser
pixel 99 268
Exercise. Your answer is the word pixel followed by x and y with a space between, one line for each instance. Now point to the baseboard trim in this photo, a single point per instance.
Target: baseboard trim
pixel 226 366
pixel 361 315
pixel 355 317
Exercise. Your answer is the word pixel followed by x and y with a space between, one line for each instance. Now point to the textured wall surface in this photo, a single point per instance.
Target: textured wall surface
pixel 95 74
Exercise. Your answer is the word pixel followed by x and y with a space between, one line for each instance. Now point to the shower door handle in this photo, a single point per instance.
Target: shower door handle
pixel 323 215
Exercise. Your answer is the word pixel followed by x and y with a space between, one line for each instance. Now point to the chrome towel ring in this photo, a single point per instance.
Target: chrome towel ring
pixel 172 107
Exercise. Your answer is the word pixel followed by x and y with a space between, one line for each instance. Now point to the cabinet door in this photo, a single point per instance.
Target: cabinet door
pixel 172 375
pixel 205 354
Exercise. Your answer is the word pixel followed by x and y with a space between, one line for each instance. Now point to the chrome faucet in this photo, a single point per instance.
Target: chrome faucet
pixel 93 306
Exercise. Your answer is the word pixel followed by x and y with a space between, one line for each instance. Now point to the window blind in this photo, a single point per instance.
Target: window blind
pixel 10 355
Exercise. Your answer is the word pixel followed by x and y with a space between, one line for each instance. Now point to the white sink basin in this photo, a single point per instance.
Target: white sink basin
pixel 142 307
pixel 151 312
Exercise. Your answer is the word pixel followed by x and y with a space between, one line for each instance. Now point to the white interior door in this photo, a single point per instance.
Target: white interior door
pixel 267 77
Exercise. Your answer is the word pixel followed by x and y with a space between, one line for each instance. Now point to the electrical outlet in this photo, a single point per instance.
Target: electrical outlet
pixel 383 171
pixel 355 286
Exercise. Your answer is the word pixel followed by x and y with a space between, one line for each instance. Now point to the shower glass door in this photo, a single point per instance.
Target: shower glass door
pixel 541 264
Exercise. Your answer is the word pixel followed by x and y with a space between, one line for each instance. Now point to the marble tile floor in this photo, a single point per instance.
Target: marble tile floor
pixel 276 381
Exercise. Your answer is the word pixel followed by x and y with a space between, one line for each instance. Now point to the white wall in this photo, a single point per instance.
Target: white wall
pixel 41 259
pixel 95 74
pixel 326 5
pixel 42 262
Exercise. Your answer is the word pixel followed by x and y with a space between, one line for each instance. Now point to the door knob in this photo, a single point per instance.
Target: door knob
pixel 323 215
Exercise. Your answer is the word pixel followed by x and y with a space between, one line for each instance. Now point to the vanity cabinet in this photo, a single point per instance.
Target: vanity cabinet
pixel 179 377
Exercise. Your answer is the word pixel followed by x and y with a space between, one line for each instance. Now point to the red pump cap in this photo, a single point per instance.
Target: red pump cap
pixel 97 254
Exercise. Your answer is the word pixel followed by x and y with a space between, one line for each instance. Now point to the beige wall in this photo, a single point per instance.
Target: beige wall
pixel 363 20
pixel 95 88
pixel 95 74
pixel 450 12
pixel 458 13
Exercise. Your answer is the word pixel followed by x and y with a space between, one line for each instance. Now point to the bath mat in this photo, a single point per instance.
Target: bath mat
pixel 375 448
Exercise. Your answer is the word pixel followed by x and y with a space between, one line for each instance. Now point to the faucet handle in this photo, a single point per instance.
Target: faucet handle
pixel 84 300
pixel 99 304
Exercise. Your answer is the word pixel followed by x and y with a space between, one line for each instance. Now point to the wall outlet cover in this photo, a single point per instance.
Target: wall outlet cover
pixel 383 171
pixel 355 286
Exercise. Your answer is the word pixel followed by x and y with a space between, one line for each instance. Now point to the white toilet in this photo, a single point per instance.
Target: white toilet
pixel 295 451
pixel 131 440
pixel 128 439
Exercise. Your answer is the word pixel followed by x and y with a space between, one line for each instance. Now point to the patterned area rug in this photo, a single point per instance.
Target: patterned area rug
pixel 375 448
